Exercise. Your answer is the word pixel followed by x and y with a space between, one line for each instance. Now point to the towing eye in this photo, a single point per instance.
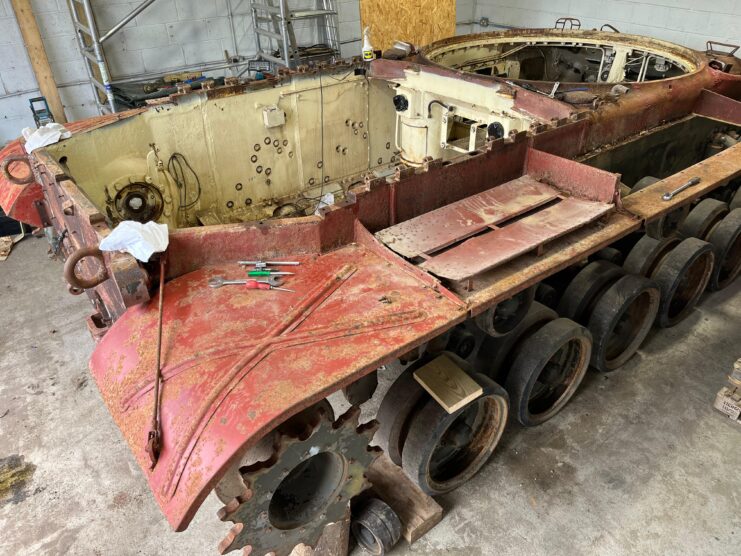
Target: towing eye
pixel 10 177
pixel 78 284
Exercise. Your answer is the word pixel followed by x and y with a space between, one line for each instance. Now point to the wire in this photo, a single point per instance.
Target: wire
pixel 177 171
pixel 321 118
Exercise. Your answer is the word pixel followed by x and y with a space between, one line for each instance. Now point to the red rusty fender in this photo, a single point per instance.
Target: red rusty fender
pixel 238 362
pixel 17 199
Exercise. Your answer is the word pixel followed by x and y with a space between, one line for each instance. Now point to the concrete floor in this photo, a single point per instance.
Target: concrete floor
pixel 638 463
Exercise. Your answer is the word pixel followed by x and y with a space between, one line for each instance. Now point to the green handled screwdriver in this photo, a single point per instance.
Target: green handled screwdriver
pixel 268 273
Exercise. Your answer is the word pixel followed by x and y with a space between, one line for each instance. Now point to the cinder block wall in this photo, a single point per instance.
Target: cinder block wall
pixel 173 33
pixel 686 22
pixel 168 35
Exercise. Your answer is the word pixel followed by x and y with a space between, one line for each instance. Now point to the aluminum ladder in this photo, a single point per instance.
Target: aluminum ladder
pixel 273 21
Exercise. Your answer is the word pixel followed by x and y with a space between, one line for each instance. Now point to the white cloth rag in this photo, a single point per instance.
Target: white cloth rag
pixel 46 135
pixel 137 239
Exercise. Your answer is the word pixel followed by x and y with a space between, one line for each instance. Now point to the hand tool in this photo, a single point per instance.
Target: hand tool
pixel 669 196
pixel 263 264
pixel 269 273
pixel 269 284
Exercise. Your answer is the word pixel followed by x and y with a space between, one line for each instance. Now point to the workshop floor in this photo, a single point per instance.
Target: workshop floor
pixel 638 463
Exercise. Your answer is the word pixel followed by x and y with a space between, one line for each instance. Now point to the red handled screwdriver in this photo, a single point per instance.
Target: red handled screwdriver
pixel 218 281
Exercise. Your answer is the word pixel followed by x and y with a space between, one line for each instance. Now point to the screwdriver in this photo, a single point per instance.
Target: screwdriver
pixel 269 273
pixel 218 281
pixel 263 264
pixel 257 285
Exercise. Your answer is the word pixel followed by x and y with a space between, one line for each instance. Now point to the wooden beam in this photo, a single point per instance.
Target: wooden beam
pixel 37 55
pixel 417 511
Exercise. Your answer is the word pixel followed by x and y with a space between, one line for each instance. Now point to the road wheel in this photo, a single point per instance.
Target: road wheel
pixel 547 295
pixel 682 276
pixel 376 527
pixel 462 342
pixel 647 254
pixel 643 183
pixel 701 219
pixel 615 256
pixel 736 201
pixel 506 315
pixel 443 450
pixel 585 288
pixel 494 355
pixel 548 369
pixel 726 241
pixel 362 389
pixel 400 402
pixel 621 319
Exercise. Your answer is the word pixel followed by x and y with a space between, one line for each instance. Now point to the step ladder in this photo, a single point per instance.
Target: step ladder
pixel 91 46
pixel 275 37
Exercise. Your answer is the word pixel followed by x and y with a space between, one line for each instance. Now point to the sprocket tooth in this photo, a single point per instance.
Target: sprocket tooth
pixel 351 417
pixel 226 512
pixel 226 544
pixel 253 530
pixel 369 429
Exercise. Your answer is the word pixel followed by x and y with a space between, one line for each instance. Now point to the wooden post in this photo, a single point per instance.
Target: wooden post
pixel 37 54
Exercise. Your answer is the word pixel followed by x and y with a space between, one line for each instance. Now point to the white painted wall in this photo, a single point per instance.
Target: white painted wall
pixel 687 22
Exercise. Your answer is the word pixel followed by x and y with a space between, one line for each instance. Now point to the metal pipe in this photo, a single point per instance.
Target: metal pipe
pixel 29 91
pixel 99 56
pixel 131 15
pixel 235 46
pixel 284 34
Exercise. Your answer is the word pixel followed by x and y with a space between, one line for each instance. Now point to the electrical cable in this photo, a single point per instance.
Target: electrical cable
pixel 177 171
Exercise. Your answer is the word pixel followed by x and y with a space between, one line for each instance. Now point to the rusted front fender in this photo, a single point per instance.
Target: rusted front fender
pixel 238 362
pixel 18 199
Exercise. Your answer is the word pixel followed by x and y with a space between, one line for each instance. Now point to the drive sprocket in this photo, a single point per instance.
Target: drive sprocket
pixel 316 467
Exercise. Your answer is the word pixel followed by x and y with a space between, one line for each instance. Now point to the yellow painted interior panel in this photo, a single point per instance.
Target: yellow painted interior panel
pixel 334 131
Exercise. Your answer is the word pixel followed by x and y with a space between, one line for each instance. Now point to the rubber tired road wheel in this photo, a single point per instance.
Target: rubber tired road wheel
pixel 443 450
pixel 621 319
pixel 736 201
pixel 506 315
pixel 647 254
pixel 547 371
pixel 682 275
pixel 400 402
pixel 726 241
pixel 615 256
pixel 493 357
pixel 376 527
pixel 585 288
pixel 362 389
pixel 701 219
pixel 665 225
